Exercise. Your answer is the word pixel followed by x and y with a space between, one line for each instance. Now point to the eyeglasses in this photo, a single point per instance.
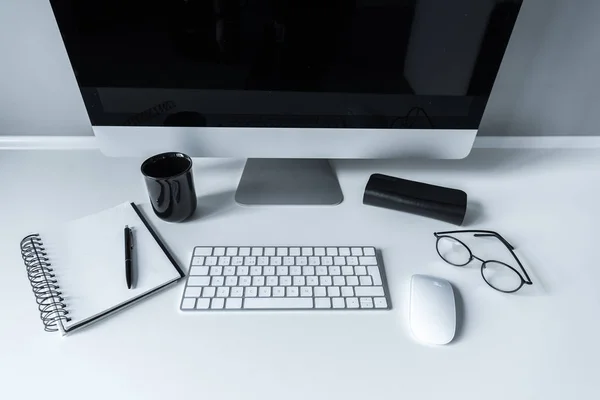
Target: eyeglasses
pixel 498 275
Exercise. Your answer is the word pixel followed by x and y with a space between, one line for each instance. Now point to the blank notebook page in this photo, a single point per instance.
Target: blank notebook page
pixel 88 258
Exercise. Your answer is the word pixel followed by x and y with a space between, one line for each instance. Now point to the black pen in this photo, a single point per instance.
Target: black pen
pixel 128 256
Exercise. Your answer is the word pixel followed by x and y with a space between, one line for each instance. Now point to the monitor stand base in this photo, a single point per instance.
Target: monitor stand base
pixel 290 181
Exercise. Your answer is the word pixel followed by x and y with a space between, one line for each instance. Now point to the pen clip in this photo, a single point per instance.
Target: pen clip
pixel 130 237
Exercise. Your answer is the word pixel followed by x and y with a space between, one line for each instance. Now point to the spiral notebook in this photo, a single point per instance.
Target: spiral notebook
pixel 77 270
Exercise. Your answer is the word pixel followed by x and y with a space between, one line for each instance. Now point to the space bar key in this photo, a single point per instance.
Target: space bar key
pixel 277 302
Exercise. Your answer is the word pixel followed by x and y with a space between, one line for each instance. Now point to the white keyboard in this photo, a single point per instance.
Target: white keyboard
pixel 285 278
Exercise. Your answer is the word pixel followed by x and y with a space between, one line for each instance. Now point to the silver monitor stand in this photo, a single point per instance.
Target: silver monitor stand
pixel 288 181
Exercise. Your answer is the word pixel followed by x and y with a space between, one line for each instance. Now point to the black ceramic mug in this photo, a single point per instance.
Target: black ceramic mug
pixel 170 186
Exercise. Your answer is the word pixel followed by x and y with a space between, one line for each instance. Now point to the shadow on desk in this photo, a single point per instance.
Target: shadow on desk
pixel 214 204
pixel 480 161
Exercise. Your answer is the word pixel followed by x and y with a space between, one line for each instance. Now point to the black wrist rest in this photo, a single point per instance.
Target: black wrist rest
pixel 445 204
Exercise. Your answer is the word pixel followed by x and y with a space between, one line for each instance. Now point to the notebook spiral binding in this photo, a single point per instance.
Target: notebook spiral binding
pixel 51 305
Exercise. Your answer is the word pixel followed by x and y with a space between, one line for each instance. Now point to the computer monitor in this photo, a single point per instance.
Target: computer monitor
pixel 283 81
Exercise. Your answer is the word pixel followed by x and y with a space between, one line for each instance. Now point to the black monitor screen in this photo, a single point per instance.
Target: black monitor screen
pixel 398 64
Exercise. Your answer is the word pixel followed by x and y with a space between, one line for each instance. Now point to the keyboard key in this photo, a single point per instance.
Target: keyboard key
pixel 352 302
pixel 229 271
pixel 282 251
pixel 285 280
pixel 258 281
pixel 357 251
pixel 352 260
pixel 326 281
pixel 338 302
pixel 278 302
pixel 269 251
pixel 242 270
pixel 353 280
pixel 301 261
pixel 231 281
pixel 374 272
pixel 198 261
pixel 288 261
pixel 209 291
pixel 333 291
pixel 198 281
pixel 282 270
pixel 199 271
pixel 347 270
pixel 380 302
pixel 217 303
pixel 306 291
pixel 312 280
pixel 369 251
pixel 244 251
pixel 203 251
pixel 299 281
pixel 314 261
pixel 327 260
pixel 347 291
pixel 322 302
pixel 237 261
pixel 366 281
pixel 219 251
pixel 250 261
pixel 344 251
pixel 192 291
pixel 339 260
pixel 251 291
pixel 203 304
pixel 368 260
pixel 233 303
pixel 308 270
pixel 217 281
pixel 369 291
pixel 264 291
pixel 188 304
pixel 276 261
pixel 360 270
pixel 257 251
pixel 223 291
pixel 272 281
pixel 269 271
pixel 339 281
pixel 307 251
pixel 292 291
pixel 294 251
pixel 216 271
pixel 321 270
pixel 237 291
pixel 295 271
pixel 231 251
pixel 320 291
pixel 255 271
pixel 334 270
pixel 224 260
pixel 210 261
pixel 332 251
pixel 278 291
pixel 320 251
pixel 366 302
pixel 245 281
pixel 262 261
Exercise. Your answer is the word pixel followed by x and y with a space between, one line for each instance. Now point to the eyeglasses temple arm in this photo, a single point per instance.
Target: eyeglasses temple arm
pixel 510 246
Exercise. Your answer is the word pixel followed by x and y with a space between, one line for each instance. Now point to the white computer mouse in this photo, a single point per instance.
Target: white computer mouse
pixel 432 314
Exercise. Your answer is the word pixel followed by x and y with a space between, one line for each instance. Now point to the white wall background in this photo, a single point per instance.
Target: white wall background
pixel 549 83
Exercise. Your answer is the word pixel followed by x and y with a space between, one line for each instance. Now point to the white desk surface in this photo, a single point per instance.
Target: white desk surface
pixel 541 343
